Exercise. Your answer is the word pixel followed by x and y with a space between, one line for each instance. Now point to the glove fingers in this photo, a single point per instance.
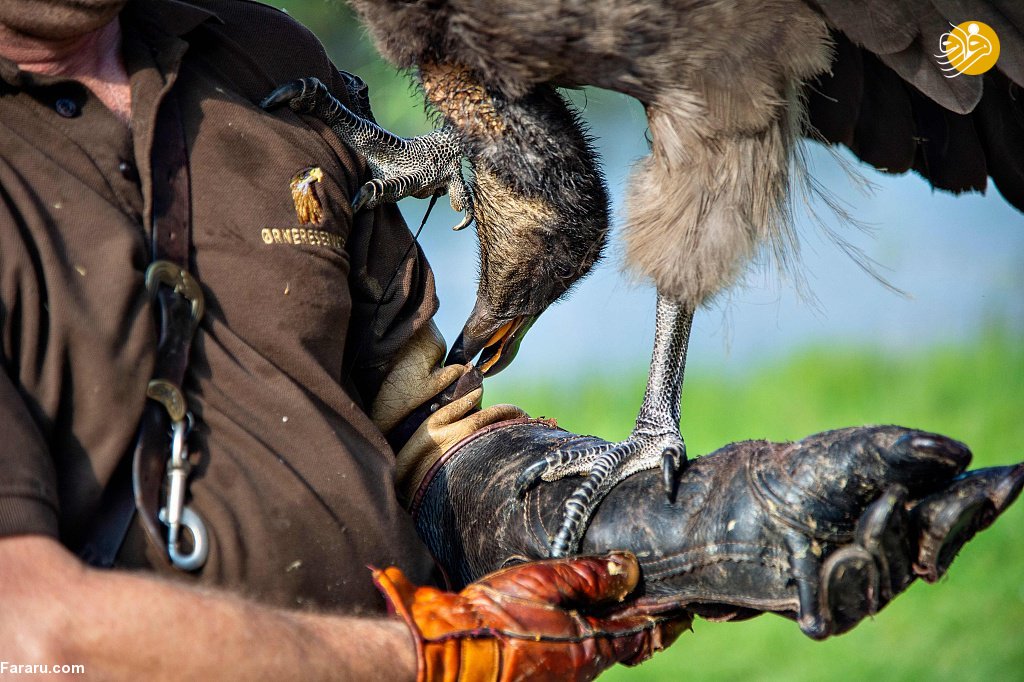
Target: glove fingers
pixel 426 444
pixel 455 410
pixel 582 581
pixel 402 392
pixel 442 377
pixel 414 376
pixel 395 587
pixel 440 432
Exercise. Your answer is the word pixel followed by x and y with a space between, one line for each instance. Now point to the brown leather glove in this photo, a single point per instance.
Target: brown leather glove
pixel 536 621
pixel 439 433
pixel 415 377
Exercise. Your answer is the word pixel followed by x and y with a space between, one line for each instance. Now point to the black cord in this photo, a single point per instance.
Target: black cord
pixel 387 287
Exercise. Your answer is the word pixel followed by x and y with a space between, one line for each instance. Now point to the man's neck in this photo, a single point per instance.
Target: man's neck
pixel 94 59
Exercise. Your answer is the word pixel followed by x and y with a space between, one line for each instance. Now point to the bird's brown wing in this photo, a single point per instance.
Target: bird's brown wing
pixel 887 99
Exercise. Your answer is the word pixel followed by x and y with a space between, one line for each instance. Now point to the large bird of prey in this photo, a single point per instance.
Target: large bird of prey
pixel 729 87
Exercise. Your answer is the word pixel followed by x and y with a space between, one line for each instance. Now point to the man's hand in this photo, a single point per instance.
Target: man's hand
pixel 415 377
pixel 537 621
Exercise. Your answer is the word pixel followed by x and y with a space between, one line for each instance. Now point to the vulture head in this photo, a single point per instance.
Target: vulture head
pixel 541 210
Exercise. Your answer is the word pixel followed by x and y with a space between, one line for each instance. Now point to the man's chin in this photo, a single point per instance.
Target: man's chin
pixel 58 19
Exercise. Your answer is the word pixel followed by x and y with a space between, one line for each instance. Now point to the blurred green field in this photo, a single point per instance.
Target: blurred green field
pixel 969 626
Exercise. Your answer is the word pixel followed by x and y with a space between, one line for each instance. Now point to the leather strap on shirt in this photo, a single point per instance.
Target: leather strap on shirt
pixel 171 240
pixel 178 304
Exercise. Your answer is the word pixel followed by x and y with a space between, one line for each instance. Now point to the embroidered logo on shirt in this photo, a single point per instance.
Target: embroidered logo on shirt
pixel 298 235
pixel 307 205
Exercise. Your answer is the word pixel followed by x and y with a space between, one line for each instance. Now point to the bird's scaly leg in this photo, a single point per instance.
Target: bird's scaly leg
pixel 655 440
pixel 421 166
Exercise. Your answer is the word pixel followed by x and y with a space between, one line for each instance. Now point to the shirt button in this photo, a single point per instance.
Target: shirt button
pixel 127 170
pixel 66 107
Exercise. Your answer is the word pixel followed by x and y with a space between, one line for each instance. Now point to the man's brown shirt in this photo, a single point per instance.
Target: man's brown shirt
pixel 294 481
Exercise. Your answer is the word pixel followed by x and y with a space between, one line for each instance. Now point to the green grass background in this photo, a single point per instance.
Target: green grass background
pixel 968 626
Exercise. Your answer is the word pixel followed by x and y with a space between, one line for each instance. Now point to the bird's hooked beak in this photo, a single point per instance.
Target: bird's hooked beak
pixel 495 339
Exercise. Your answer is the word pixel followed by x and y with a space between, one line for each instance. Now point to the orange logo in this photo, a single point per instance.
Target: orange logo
pixel 971 48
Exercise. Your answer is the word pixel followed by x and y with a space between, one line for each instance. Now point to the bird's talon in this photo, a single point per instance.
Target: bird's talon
pixel 669 475
pixel 421 167
pixel 466 220
pixel 360 200
pixel 366 195
pixel 529 477
pixel 284 94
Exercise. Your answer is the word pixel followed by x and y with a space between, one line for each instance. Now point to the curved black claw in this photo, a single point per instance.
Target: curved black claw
pixel 529 477
pixel 671 464
pixel 366 194
pixel 669 475
pixel 375 192
pixel 283 94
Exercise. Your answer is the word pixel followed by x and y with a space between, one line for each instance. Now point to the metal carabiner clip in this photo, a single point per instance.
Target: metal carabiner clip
pixel 177 514
pixel 194 560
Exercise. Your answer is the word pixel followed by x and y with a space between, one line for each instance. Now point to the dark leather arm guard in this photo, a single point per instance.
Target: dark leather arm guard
pixel 825 531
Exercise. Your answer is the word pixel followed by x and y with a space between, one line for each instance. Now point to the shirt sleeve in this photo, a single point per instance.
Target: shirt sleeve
pixel 391 284
pixel 28 480
pixel 393 294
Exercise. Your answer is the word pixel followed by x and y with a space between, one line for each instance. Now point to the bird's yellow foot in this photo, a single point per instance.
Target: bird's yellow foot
pixel 424 166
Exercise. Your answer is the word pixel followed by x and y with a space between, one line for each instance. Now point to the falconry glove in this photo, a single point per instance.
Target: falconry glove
pixel 826 530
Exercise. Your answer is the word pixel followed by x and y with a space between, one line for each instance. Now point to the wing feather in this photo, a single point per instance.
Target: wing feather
pixel 884 133
pixel 1000 119
pixel 948 150
pixel 834 103
pixel 887 100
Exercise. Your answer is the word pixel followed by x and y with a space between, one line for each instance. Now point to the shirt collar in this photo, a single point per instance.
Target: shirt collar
pixel 171 17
